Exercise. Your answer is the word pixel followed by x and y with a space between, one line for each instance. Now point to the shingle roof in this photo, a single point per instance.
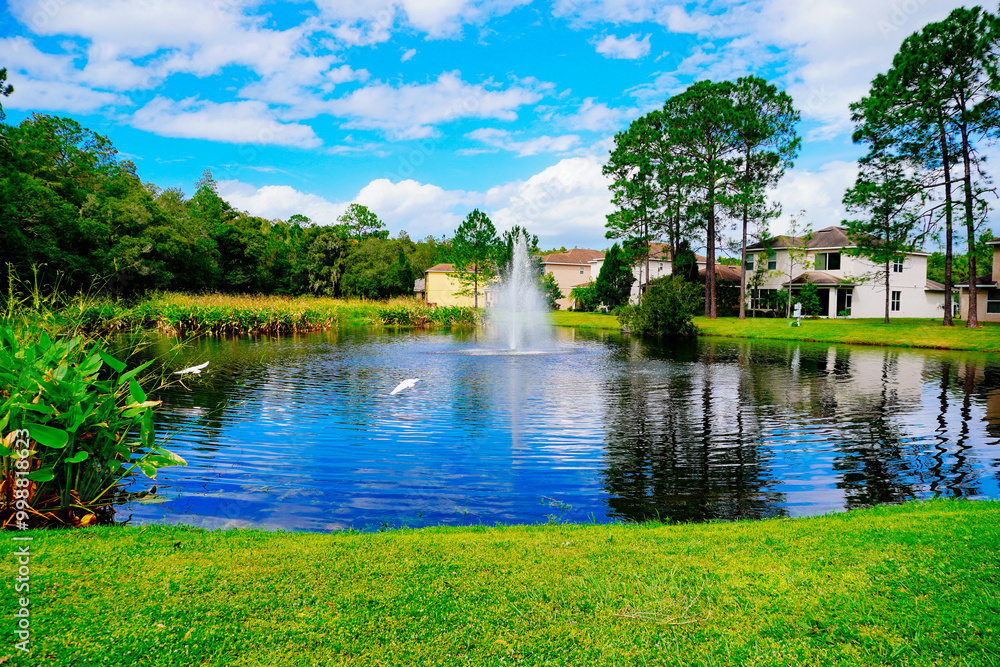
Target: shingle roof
pixel 723 272
pixel 934 286
pixel 818 278
pixel 828 237
pixel 582 256
pixel 663 252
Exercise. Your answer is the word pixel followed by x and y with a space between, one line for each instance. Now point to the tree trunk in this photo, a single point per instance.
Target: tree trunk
pixel 888 294
pixel 743 250
pixel 949 283
pixel 710 311
pixel 973 320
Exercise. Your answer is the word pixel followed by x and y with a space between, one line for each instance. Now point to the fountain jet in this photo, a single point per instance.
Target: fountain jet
pixel 518 314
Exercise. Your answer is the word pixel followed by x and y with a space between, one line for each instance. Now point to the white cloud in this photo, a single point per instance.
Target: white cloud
pixel 409 53
pixel 419 208
pixel 818 193
pixel 411 110
pixel 31 94
pixel 565 204
pixel 598 117
pixel 279 202
pixel 625 48
pixel 504 140
pixel 246 122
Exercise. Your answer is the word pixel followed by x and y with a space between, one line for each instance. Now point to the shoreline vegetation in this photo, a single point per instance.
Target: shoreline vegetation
pixel 914 333
pixel 912 584
pixel 222 314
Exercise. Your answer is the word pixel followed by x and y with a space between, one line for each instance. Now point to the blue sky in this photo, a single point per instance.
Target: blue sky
pixel 425 109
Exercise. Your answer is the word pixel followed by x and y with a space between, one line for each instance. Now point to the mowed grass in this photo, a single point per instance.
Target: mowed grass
pixel 902 332
pixel 917 584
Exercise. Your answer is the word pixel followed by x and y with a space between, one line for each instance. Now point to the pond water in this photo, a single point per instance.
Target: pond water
pixel 301 433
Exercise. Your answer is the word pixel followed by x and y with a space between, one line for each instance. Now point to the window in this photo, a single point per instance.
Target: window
pixel 993 301
pixel 828 261
pixel 581 272
pixel 895 301
pixel 749 262
pixel 763 299
pixel 897 265
pixel 772 262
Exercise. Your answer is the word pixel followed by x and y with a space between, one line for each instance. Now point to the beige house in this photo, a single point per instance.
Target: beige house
pixel 987 291
pixel 571 268
pixel 441 287
pixel 661 264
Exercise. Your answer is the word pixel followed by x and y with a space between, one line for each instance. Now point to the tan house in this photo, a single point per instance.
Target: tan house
pixel 571 268
pixel 441 287
pixel 987 291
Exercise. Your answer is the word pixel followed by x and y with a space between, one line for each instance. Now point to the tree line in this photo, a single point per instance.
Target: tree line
pixel 703 163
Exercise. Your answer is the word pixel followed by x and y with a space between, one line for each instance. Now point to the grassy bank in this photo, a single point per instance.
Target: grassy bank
pixel 903 332
pixel 917 584
pixel 216 314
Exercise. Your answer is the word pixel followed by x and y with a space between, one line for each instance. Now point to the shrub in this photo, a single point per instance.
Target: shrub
pixel 666 309
pixel 91 425
pixel 585 297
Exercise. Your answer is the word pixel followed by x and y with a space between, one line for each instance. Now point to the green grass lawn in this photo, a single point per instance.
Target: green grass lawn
pixel 902 332
pixel 917 584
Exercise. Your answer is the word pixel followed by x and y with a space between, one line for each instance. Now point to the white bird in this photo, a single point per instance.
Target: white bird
pixel 192 369
pixel 405 384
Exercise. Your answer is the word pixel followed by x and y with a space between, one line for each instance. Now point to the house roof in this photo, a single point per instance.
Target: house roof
pixel 441 268
pixel 934 286
pixel 981 281
pixel 419 285
pixel 581 256
pixel 828 237
pixel 819 278
pixel 993 242
pixel 723 272
pixel 662 252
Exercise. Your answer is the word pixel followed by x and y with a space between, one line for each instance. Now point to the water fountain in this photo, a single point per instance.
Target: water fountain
pixel 518 315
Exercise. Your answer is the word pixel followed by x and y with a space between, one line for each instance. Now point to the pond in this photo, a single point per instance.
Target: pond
pixel 301 432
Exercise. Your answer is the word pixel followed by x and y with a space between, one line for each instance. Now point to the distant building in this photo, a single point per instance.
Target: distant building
pixel 853 286
pixel 419 290
pixel 661 263
pixel 441 287
pixel 571 269
pixel 987 291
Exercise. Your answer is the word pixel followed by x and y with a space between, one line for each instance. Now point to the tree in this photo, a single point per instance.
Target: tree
pixel 685 264
pixel 635 190
pixel 5 90
pixel 614 282
pixel 325 261
pixel 948 73
pixel 890 199
pixel 474 250
pixel 360 223
pixel 703 130
pixel 768 143
pixel 665 309
pixel 550 290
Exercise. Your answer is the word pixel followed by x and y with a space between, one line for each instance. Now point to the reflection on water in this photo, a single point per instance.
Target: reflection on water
pixel 299 432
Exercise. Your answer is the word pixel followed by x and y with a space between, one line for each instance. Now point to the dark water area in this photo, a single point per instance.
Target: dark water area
pixel 300 432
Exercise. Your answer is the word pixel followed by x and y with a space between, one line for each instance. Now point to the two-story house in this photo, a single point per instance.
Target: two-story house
pixel 848 286
pixel 987 291
pixel 571 268
pixel 660 265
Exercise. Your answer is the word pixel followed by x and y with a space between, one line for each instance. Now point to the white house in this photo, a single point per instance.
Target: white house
pixel 660 265
pixel 987 291
pixel 847 286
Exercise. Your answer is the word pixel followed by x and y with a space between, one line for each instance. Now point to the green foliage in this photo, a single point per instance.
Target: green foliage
pixel 585 297
pixel 550 290
pixel 614 282
pixel 474 251
pixel 358 222
pixel 665 309
pixel 808 296
pixel 90 420
pixel 685 265
pixel 419 315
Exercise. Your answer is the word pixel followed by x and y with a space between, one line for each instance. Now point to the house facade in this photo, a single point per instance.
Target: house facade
pixel 847 286
pixel 570 269
pixel 441 287
pixel 660 266
pixel 987 291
